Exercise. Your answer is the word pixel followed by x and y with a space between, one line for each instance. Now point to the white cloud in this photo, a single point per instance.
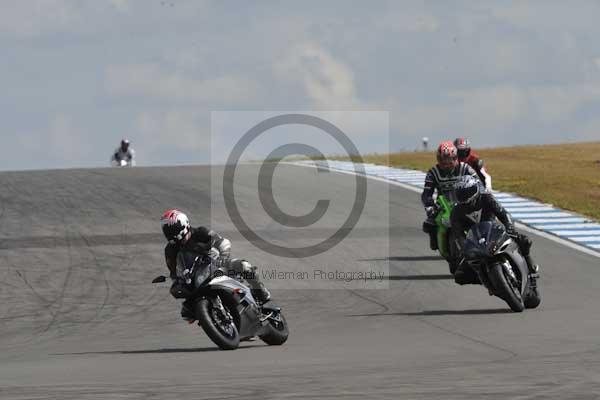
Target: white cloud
pixel 327 82
pixel 489 107
pixel 175 129
pixel 552 15
pixel 149 80
pixel 475 112
pixel 121 5
pixel 34 17
pixel 405 21
pixel 63 143
pixel 586 130
pixel 520 67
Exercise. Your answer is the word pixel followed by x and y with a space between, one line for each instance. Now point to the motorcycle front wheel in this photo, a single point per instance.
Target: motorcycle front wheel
pixel 219 326
pixel 505 288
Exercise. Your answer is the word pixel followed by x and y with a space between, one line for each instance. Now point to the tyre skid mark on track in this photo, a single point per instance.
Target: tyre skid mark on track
pixel 145 304
pixel 370 300
pixel 44 302
pixel 426 321
pixel 481 342
pixel 14 317
pixel 554 392
pixel 97 269
pixel 58 301
pixel 105 279
pixel 70 268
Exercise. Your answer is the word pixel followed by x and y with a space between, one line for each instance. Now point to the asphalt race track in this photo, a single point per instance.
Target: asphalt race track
pixel 79 318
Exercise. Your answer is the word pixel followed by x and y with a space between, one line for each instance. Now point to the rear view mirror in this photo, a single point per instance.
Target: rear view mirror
pixel 159 279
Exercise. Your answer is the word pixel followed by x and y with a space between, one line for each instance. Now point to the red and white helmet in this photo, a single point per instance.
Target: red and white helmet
pixel 447 155
pixel 463 147
pixel 175 225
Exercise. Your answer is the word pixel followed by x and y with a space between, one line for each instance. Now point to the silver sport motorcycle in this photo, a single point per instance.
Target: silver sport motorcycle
pixel 224 305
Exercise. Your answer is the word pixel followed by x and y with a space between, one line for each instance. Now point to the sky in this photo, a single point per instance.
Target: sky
pixel 77 76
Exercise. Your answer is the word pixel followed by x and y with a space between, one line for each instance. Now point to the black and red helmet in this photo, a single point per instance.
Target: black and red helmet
pixel 463 146
pixel 447 157
pixel 175 225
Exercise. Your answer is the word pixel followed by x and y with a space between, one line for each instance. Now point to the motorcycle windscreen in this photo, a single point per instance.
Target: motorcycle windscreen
pixel 188 262
pixel 484 238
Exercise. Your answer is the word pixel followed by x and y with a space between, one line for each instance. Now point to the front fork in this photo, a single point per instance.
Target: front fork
pixel 223 311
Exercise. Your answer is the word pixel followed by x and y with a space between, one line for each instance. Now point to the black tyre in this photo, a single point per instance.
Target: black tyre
pixel 220 329
pixel 276 332
pixel 505 289
pixel 452 265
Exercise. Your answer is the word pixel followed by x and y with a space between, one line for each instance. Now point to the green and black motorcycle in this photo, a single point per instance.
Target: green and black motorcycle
pixel 444 231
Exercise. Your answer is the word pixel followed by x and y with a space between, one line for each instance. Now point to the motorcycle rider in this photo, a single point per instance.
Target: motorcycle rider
pixel 124 154
pixel 475 204
pixel 441 178
pixel 181 236
pixel 468 156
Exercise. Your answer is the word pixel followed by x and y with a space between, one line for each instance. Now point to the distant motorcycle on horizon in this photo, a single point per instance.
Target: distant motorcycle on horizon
pixel 123 156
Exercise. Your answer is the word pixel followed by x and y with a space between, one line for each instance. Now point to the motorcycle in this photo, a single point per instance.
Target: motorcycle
pixel 121 163
pixel 444 233
pixel 495 257
pixel 224 305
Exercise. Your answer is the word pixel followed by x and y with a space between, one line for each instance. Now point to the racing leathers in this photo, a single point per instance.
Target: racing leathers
pixel 442 181
pixel 486 208
pixel 122 157
pixel 205 241
pixel 477 164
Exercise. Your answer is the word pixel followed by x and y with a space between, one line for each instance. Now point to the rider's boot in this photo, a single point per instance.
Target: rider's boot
pixel 258 289
pixel 433 241
pixel 533 267
pixel 430 228
pixel 261 293
pixel 534 272
pixel 532 298
pixel 187 313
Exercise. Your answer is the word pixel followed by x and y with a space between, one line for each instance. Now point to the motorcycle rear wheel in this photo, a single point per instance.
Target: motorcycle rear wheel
pixel 277 331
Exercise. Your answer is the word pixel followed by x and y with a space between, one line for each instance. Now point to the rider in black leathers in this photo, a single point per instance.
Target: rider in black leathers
pixel 475 204
pixel 441 178
pixel 181 236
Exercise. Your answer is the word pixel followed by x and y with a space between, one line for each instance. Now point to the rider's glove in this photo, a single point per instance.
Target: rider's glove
pixel 510 229
pixel 214 254
pixel 431 211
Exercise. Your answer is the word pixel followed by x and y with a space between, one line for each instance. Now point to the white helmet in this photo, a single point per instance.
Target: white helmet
pixel 175 225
